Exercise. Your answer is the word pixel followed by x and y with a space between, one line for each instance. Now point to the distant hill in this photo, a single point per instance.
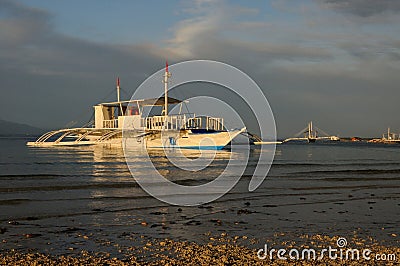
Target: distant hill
pixel 11 128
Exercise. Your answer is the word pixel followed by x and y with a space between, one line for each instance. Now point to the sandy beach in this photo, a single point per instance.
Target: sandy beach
pixel 222 250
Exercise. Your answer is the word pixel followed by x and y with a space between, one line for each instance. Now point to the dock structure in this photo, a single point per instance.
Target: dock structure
pixel 312 134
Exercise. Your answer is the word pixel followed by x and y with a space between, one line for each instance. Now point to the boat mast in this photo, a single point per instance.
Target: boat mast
pixel 118 90
pixel 166 76
pixel 118 96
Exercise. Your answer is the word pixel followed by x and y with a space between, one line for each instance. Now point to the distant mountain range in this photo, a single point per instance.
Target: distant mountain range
pixel 11 128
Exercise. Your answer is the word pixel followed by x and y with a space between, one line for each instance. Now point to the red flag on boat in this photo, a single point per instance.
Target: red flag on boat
pixel 166 65
pixel 118 81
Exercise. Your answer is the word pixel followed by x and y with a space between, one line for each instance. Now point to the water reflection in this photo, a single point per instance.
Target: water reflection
pixel 191 167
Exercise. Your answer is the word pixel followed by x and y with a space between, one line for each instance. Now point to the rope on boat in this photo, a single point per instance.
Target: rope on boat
pixel 252 137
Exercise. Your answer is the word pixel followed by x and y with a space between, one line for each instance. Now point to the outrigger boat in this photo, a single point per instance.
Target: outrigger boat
pixel 311 135
pixel 388 138
pixel 124 121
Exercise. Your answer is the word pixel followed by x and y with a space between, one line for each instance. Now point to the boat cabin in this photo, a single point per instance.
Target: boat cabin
pixel 115 114
pixel 130 114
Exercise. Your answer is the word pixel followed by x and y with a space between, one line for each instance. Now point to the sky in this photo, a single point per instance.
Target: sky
pixel 335 62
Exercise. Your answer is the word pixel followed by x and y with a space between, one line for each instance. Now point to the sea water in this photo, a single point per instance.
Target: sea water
pixel 63 200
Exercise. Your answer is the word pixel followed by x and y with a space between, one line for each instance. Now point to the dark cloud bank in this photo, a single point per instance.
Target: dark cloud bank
pixel 363 8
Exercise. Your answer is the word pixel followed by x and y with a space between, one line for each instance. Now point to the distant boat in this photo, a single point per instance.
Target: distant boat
pixel 387 137
pixel 311 135
pixel 115 122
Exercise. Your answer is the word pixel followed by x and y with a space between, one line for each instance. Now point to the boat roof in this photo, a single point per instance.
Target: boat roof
pixel 145 102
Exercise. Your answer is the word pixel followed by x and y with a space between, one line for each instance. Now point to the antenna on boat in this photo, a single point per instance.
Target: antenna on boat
pixel 118 90
pixel 166 76
pixel 118 96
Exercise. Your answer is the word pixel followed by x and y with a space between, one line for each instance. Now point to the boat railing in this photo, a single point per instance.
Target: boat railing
pixel 178 122
pixel 182 121
pixel 175 122
pixel 214 123
pixel 194 122
pixel 113 123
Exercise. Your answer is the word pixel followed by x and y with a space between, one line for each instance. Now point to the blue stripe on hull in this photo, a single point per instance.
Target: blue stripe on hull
pixel 201 147
pixel 193 147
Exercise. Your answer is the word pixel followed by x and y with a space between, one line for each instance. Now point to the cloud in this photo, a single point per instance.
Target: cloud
pixel 335 70
pixel 328 72
pixel 14 30
pixel 30 43
pixel 57 75
pixel 371 51
pixel 363 8
pixel 216 32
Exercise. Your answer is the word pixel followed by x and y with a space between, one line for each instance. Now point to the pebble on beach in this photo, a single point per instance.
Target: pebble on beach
pixel 221 250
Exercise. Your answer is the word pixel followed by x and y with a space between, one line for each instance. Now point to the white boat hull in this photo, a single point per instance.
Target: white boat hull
pixel 214 140
pixel 185 139
pixel 194 140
